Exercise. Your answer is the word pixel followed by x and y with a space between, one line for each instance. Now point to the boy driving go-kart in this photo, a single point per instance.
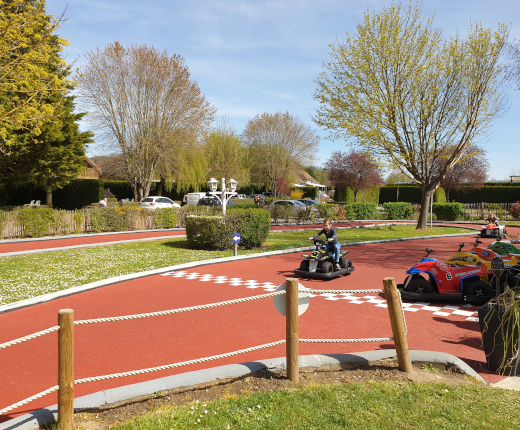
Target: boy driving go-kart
pixel 326 261
pixel 332 240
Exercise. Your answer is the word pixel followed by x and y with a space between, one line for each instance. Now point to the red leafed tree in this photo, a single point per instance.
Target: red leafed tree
pixel 282 186
pixel 470 173
pixel 353 170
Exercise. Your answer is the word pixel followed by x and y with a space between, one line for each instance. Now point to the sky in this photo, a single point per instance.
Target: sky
pixel 251 57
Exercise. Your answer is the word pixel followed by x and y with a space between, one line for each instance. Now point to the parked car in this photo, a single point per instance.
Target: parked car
pixel 309 202
pixel 158 202
pixel 252 196
pixel 191 199
pixel 323 196
pixel 295 204
pixel 213 201
pixel 239 196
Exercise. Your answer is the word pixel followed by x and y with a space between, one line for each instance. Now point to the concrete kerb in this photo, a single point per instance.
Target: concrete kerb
pixel 225 373
pixel 116 279
pixel 73 236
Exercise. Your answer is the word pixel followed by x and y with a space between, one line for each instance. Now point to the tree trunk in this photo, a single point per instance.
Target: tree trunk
pixel 48 198
pixel 422 223
pixel 447 192
pixel 355 196
pixel 160 187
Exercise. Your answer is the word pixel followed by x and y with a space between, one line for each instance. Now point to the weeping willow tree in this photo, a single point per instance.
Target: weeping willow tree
pixel 400 91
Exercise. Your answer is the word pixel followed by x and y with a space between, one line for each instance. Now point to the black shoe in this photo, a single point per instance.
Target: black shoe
pixel 338 267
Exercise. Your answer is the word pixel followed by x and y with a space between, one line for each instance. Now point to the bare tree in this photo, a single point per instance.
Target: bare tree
pixel 279 146
pixel 353 170
pixel 143 101
pixel 402 92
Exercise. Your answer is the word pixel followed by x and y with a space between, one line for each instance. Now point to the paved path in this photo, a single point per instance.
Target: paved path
pixel 100 349
pixel 48 244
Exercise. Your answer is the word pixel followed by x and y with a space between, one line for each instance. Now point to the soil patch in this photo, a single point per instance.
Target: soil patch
pixel 386 370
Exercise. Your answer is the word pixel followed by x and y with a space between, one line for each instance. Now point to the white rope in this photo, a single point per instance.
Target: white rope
pixel 340 291
pixel 175 311
pixel 29 399
pixel 375 339
pixel 28 337
pixel 139 372
pixel 183 363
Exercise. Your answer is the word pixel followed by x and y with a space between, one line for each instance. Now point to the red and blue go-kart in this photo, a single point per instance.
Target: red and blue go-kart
pixel 436 280
pixel 320 263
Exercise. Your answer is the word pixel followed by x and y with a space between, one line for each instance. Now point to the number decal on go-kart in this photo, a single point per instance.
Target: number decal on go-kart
pixel 448 276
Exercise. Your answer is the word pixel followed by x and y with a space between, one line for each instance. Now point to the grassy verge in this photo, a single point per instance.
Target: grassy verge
pixel 32 275
pixel 368 405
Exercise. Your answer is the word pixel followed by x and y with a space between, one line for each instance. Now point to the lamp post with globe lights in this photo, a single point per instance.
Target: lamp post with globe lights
pixel 225 194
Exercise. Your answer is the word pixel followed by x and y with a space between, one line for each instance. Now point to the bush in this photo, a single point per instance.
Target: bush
pixel 38 222
pixel 448 211
pixel 252 224
pixel 326 210
pixel 398 210
pixel 364 210
pixel 296 194
pixel 216 232
pixel 515 211
pixel 166 218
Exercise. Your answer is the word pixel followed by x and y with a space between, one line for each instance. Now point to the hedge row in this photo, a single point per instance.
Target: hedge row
pixel 38 222
pixel 216 231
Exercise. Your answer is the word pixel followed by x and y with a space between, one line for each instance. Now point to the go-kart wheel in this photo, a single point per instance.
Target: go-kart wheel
pixel 327 267
pixel 419 285
pixel 304 265
pixel 345 263
pixel 479 288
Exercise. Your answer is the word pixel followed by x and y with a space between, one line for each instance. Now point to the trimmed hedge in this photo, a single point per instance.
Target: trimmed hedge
pixel 364 210
pixel 448 211
pixel 398 210
pixel 488 194
pixel 215 232
pixel 366 196
pixel 79 193
pixel 408 193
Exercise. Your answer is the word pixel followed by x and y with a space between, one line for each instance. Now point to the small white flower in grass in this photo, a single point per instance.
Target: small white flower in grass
pixel 205 412
pixel 192 407
pixel 446 391
pixel 198 420
pixel 258 406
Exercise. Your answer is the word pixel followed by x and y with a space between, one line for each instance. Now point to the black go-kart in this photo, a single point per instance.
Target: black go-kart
pixel 320 263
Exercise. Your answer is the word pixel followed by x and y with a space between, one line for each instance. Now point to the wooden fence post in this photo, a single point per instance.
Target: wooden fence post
pixel 291 326
pixel 66 368
pixel 398 329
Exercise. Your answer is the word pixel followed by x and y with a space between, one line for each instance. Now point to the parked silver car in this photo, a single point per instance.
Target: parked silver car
pixel 295 204
pixel 158 202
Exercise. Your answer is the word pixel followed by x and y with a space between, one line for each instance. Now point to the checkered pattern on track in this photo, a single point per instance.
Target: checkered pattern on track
pixel 446 311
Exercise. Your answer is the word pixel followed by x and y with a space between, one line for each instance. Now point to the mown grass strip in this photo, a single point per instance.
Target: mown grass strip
pixel 32 275
pixel 368 405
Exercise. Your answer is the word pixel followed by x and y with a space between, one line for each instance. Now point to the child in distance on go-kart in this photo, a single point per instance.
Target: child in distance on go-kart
pixel 332 239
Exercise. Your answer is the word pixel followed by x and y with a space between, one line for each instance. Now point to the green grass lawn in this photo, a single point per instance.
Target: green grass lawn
pixel 32 275
pixel 368 405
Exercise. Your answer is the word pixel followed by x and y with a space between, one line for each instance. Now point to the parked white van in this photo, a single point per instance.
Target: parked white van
pixel 191 199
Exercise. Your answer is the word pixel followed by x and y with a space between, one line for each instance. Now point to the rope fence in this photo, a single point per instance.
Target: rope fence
pixel 66 333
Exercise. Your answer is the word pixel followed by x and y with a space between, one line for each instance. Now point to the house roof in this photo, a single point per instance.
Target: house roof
pixel 306 180
pixel 91 164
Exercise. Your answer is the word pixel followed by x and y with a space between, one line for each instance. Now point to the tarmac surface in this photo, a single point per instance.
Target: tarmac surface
pixel 105 348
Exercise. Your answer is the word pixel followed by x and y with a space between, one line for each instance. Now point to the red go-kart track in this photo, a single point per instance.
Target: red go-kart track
pixel 113 347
